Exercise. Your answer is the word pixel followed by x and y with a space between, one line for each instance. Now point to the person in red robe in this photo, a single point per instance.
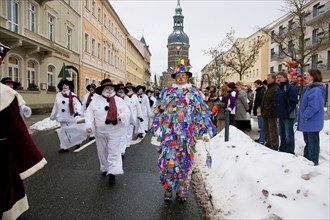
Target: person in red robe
pixel 19 155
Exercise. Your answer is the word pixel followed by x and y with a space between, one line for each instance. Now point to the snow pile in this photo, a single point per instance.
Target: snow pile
pixel 249 181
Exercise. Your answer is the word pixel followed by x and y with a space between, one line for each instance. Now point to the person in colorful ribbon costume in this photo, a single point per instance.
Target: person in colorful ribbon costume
pixel 181 116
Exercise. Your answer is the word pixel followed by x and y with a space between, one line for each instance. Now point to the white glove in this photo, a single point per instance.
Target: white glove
pixel 27 112
pixel 206 137
pixel 158 133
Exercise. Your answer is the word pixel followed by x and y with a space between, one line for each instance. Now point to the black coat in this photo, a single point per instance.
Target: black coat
pixel 258 99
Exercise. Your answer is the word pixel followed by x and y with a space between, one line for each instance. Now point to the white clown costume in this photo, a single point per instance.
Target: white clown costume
pixel 107 131
pixel 134 104
pixel 63 111
pixel 146 110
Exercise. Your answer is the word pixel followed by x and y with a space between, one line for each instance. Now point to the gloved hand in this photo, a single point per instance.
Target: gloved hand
pixel 206 137
pixel 141 119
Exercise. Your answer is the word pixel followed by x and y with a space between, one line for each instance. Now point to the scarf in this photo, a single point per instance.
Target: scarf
pixel 89 99
pixel 70 96
pixel 112 111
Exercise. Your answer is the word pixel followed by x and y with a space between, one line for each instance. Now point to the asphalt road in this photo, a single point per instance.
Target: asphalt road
pixel 71 186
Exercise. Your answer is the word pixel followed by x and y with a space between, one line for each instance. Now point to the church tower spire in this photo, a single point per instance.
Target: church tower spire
pixel 178 41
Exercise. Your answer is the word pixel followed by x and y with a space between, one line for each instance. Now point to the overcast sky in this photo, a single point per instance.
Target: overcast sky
pixel 205 22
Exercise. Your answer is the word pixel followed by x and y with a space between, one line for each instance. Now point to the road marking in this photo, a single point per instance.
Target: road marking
pixel 84 146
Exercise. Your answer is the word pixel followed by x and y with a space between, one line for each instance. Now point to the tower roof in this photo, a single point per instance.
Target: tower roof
pixel 178 36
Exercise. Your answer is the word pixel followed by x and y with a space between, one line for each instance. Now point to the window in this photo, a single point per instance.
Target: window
pixel 13 69
pixel 105 20
pixel 291 24
pixel 316 10
pixel 86 42
pixel 272 36
pixel 315 36
pixel 50 27
pixel 328 65
pixel 93 8
pixel 99 50
pixel 290 47
pixel 272 53
pixel 86 84
pixel 272 69
pixel 280 67
pixel 314 61
pixel 93 47
pixel 32 74
pixel 99 14
pixel 68 37
pixel 50 77
pixel 31 16
pixel 257 72
pixel 109 54
pixel 111 58
pixel 12 13
pixel 281 30
pixel 87 4
pixel 109 23
pixel 104 54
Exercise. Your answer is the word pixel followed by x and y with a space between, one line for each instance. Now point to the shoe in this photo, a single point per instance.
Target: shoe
pixel 104 173
pixel 168 194
pixel 257 140
pixel 140 135
pixel 181 197
pixel 91 138
pixel 78 146
pixel 63 151
pixel 267 144
pixel 112 179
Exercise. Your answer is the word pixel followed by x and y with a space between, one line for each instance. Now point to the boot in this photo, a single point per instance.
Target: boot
pixel 168 194
pixel 112 179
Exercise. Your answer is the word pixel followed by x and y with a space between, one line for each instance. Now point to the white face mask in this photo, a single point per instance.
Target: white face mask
pixel 65 89
pixel 108 91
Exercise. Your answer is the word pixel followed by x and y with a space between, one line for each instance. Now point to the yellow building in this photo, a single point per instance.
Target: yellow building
pixel 104 42
pixel 135 62
pixel 42 35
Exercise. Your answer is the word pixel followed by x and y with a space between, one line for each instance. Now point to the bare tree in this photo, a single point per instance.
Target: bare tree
pixel 235 55
pixel 295 41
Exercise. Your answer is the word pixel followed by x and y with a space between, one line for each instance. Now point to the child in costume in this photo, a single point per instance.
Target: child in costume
pixel 181 116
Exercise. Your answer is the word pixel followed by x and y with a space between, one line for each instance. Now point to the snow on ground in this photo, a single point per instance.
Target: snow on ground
pixel 249 181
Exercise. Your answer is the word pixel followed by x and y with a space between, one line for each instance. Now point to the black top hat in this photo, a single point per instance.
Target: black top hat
pixel 120 86
pixel 141 87
pixel 6 80
pixel 66 82
pixel 104 83
pixel 88 87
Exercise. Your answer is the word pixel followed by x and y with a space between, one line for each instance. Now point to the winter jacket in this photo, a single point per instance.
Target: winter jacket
pixel 257 101
pixel 231 101
pixel 250 96
pixel 286 99
pixel 311 113
pixel 267 104
pixel 242 106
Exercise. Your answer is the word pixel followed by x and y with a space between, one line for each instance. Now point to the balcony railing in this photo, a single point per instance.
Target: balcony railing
pixel 277 57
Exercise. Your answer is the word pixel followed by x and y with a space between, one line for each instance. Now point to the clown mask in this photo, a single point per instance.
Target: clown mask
pixel 108 91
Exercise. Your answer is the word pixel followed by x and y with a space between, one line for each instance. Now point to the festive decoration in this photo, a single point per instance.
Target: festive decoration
pixel 3 51
pixel 294 69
